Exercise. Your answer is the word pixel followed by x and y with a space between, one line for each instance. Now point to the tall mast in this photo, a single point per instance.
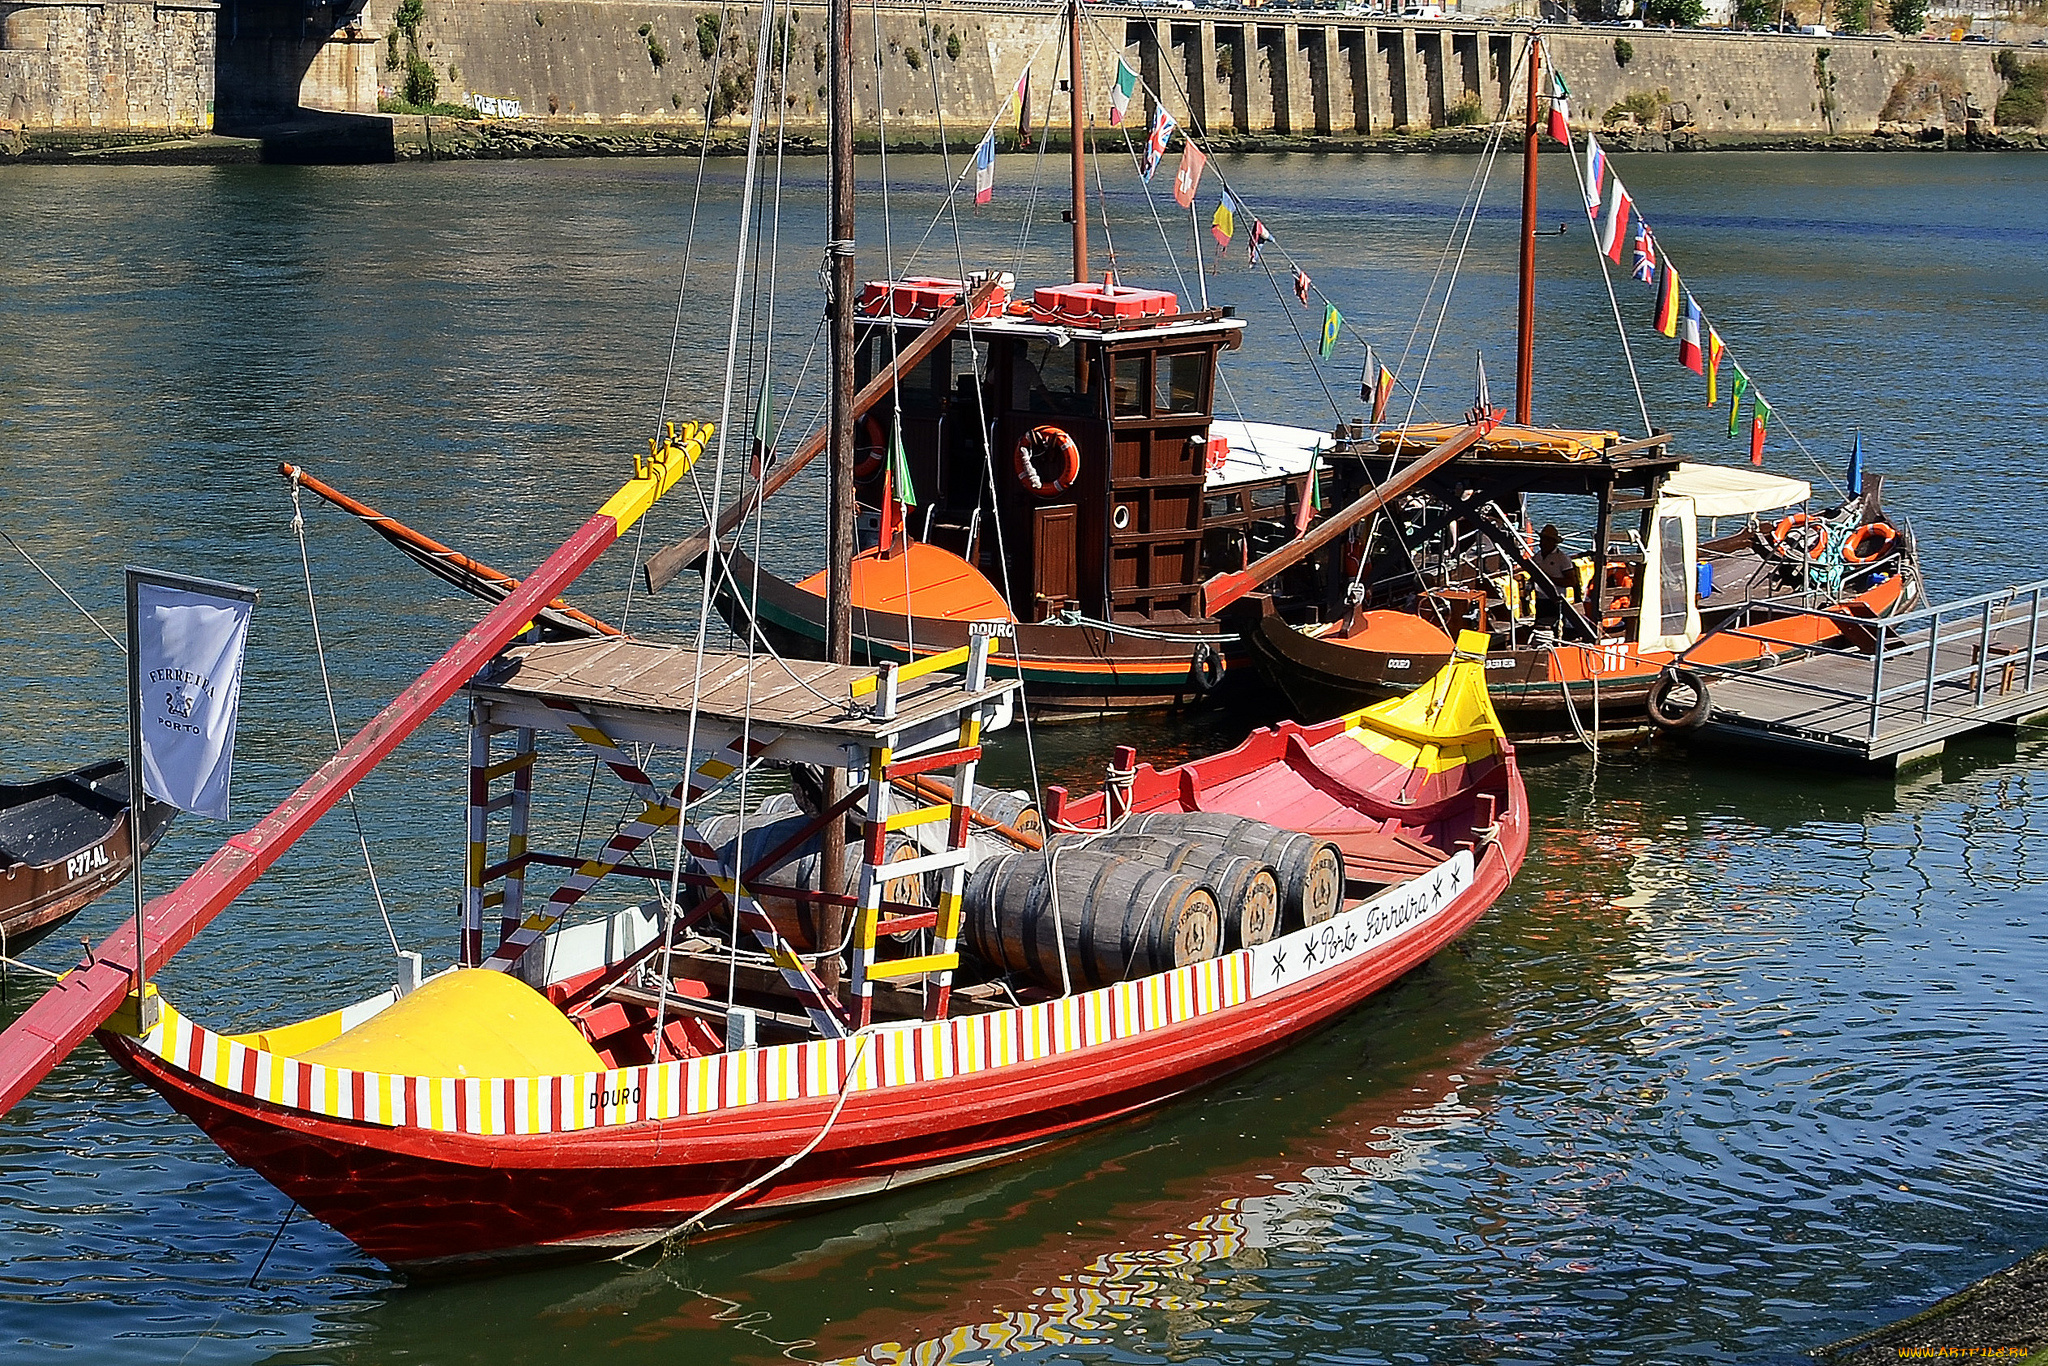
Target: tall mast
pixel 840 509
pixel 1074 111
pixel 1526 336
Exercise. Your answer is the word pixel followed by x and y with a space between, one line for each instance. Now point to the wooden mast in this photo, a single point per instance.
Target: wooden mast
pixel 1079 164
pixel 1526 334
pixel 840 514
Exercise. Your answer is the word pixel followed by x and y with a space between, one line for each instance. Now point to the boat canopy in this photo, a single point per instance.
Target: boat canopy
pixel 1722 491
pixel 1264 450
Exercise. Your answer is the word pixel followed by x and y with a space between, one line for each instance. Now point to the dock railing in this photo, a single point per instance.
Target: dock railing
pixel 1946 653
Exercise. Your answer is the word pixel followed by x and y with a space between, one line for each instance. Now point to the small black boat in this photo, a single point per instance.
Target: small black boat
pixel 63 844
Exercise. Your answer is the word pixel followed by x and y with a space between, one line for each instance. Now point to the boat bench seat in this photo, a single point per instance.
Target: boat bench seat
pixel 1380 857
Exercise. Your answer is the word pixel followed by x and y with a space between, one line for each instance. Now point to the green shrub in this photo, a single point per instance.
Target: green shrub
pixel 408 18
pixel 2025 99
pixel 707 36
pixel 1758 13
pixel 1464 114
pixel 656 53
pixel 1684 13
pixel 1646 105
pixel 422 86
pixel 912 60
pixel 953 46
pixel 1907 16
pixel 1624 52
pixel 1226 61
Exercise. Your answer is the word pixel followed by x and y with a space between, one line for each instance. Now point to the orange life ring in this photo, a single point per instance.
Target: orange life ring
pixel 867 455
pixel 1860 549
pixel 1047 445
pixel 1800 537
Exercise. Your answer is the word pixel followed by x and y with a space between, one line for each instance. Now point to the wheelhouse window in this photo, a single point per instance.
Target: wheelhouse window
pixel 1045 377
pixel 1181 379
pixel 1127 385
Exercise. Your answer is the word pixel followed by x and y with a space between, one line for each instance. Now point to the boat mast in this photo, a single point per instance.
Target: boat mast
pixel 1074 112
pixel 840 514
pixel 1526 337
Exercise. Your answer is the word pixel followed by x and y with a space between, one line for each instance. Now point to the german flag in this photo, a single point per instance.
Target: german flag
pixel 1669 293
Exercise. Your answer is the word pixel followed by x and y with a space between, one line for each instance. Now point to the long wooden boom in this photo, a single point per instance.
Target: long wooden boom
pixel 663 565
pixel 90 993
pixel 1223 589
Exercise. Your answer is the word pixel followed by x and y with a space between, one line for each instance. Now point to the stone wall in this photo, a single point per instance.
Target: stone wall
pixel 115 66
pixel 1233 72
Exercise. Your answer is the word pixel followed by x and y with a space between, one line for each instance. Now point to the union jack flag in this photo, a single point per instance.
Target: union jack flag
pixel 1646 253
pixel 1155 146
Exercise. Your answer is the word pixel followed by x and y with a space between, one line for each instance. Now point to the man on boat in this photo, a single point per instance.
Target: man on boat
pixel 1560 574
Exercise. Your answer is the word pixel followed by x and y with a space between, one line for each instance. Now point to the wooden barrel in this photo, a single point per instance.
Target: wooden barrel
pixel 803 869
pixel 1310 871
pixel 1117 917
pixel 1247 890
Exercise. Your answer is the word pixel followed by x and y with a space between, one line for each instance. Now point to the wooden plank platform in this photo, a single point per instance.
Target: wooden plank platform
pixel 1900 690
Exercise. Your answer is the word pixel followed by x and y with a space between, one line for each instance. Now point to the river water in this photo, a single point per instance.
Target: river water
pixel 1745 1062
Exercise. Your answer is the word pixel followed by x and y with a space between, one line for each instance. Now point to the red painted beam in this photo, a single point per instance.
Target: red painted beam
pixel 48 1030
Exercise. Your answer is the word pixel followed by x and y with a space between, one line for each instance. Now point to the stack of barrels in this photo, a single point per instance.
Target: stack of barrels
pixel 1163 890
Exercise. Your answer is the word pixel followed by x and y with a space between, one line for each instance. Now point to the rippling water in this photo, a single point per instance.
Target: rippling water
pixel 1745 1062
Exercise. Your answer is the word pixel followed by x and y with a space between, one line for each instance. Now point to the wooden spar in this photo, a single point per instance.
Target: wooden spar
pixel 90 993
pixel 1080 168
pixel 839 499
pixel 663 566
pixel 431 550
pixel 1525 336
pixel 1223 589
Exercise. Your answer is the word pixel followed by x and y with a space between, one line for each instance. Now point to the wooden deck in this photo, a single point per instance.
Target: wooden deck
pixel 1896 690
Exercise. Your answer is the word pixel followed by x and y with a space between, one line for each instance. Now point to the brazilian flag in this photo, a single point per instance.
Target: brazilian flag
pixel 1333 324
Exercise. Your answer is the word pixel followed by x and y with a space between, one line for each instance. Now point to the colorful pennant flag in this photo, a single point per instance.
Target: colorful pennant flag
pixel 1120 93
pixel 1365 375
pixel 1735 406
pixel 1192 160
pixel 1259 239
pixel 1614 227
pixel 1665 318
pixel 1024 109
pixel 1382 393
pixel 1759 419
pixel 1312 496
pixel 1689 353
pixel 899 467
pixel 1223 224
pixel 1715 348
pixel 1560 110
pixel 1333 324
pixel 1596 172
pixel 1156 144
pixel 1646 253
pixel 1301 284
pixel 1482 398
pixel 985 170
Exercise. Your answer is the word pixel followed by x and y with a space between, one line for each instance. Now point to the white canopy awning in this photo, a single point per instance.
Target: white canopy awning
pixel 1261 450
pixel 1723 491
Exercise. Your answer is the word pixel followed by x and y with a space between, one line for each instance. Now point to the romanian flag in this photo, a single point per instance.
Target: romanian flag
pixel 1614 229
pixel 1333 326
pixel 1560 110
pixel 1665 319
pixel 1690 354
pixel 1759 418
pixel 985 170
pixel 1156 144
pixel 1715 347
pixel 1223 224
pixel 1120 93
pixel 1735 404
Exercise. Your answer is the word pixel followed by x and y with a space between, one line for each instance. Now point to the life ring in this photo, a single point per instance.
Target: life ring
pixel 1870 543
pixel 1042 445
pixel 1800 537
pixel 867 453
pixel 1205 669
pixel 1669 717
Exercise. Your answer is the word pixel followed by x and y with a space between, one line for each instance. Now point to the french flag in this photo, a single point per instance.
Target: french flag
pixel 985 170
pixel 1613 232
pixel 1689 352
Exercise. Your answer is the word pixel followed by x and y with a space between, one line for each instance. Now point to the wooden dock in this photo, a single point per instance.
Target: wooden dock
pixel 1891 691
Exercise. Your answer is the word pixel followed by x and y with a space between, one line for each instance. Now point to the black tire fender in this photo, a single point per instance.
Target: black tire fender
pixel 1671 717
pixel 1205 669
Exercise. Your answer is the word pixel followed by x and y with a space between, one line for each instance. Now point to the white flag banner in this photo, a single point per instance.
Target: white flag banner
pixel 187 638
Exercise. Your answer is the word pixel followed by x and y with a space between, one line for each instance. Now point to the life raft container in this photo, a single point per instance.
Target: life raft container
pixel 1044 449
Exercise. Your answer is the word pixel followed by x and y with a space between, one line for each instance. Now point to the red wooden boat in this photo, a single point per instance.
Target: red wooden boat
pixel 576 1118
pixel 64 844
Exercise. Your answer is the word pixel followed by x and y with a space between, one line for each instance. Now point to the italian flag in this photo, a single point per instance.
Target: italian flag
pixel 1120 93
pixel 1560 110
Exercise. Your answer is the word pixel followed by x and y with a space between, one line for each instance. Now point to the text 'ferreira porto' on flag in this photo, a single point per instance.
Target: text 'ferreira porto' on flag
pixel 185 643
pixel 1223 224
pixel 985 169
pixel 1333 327
pixel 1157 143
pixel 1120 94
pixel 1192 160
